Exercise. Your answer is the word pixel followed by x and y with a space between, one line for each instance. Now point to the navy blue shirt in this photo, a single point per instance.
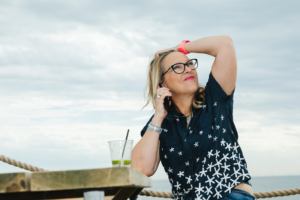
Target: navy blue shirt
pixel 203 160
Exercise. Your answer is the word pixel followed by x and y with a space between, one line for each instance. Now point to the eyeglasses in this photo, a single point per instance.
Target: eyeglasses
pixel 179 68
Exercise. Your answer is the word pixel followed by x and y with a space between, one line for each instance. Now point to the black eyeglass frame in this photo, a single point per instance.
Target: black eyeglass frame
pixel 184 64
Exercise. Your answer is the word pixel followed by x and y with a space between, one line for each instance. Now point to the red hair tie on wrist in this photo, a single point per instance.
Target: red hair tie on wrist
pixel 181 47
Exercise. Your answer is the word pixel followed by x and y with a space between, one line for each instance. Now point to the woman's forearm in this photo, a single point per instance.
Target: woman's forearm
pixel 144 153
pixel 208 45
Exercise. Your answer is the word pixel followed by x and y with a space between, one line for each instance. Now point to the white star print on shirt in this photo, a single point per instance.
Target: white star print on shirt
pixel 197 176
pixel 228 146
pixel 177 119
pixel 201 132
pixel 244 174
pixel 225 157
pixel 241 157
pixel 226 167
pixel 210 180
pixel 210 154
pixel 218 163
pixel 215 138
pixel 217 193
pixel 235 147
pixel 170 170
pixel 224 130
pixel 223 142
pixel 234 182
pixel 188 179
pixel 238 162
pixel 178 185
pixel 196 144
pixel 172 149
pixel 209 136
pixel 217 153
pixel 165 156
pixel 199 189
pixel 165 130
pixel 181 173
pixel 225 177
pixel 219 184
pixel 203 172
pixel 208 190
pixel 180 153
pixel 218 127
pixel 187 163
pixel 215 103
pixel 236 172
pixel 185 191
pixel 228 187
pixel 222 117
pixel 217 172
pixel 233 156
pixel 210 166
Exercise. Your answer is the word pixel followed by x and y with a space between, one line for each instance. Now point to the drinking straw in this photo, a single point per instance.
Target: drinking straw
pixel 124 146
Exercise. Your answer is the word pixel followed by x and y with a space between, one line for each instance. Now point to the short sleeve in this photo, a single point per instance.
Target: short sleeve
pixel 146 126
pixel 215 91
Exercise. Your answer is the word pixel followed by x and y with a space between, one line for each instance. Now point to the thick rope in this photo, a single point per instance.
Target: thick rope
pixel 21 165
pixel 278 193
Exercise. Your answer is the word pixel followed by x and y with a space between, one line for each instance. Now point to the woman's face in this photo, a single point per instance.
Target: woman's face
pixel 176 82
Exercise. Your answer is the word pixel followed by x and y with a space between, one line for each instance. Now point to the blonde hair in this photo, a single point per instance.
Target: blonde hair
pixel 155 71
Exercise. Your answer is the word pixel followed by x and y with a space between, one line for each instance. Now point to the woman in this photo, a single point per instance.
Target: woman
pixel 195 139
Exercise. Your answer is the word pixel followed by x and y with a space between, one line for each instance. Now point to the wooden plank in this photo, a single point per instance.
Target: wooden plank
pixel 89 178
pixel 15 182
pixel 58 194
pixel 73 183
pixel 81 198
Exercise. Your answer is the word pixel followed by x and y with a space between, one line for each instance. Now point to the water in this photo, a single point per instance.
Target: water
pixel 259 184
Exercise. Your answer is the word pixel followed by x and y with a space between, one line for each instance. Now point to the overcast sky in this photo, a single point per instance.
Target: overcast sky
pixel 72 75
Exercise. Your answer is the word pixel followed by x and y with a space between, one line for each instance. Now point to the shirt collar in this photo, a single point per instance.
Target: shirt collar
pixel 171 116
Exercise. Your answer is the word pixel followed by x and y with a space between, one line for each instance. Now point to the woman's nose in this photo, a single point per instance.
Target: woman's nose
pixel 187 69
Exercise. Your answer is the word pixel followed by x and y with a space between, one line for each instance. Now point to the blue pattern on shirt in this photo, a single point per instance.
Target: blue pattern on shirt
pixel 203 161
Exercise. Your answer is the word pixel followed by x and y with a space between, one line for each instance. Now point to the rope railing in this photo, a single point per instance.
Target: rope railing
pixel 151 193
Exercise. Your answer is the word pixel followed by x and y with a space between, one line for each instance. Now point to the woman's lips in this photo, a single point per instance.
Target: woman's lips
pixel 189 78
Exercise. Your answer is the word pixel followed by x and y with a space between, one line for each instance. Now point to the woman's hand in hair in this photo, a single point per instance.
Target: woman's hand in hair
pixel 164 50
pixel 160 111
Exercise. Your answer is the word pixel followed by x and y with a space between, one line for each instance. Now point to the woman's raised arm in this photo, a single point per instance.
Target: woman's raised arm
pixel 224 68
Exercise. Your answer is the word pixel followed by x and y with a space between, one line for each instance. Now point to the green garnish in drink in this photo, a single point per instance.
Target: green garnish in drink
pixel 127 162
pixel 116 162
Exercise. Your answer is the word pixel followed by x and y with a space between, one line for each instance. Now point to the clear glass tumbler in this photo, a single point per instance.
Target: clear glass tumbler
pixel 119 148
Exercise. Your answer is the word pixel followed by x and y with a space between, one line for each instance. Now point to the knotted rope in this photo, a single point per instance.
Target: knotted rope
pixel 278 193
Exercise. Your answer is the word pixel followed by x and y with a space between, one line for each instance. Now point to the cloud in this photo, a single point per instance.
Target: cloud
pixel 72 75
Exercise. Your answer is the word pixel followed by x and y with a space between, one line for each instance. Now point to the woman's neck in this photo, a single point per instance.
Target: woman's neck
pixel 183 104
